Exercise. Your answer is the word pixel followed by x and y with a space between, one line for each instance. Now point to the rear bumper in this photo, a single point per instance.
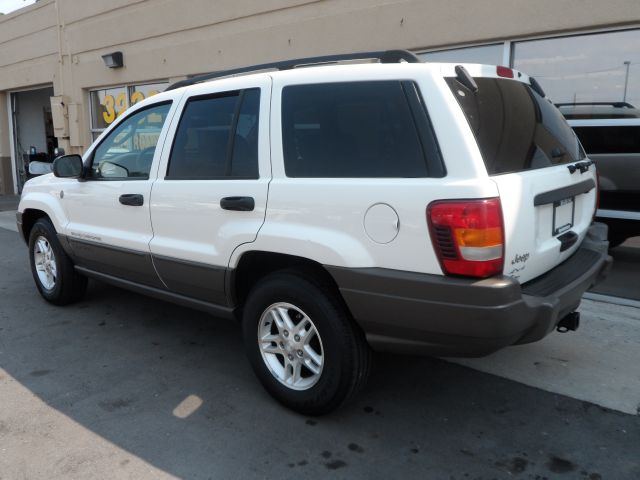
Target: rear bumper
pixel 418 313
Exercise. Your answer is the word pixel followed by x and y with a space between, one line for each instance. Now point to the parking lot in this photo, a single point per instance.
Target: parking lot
pixel 122 386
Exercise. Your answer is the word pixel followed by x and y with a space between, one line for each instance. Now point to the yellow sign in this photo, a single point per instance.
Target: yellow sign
pixel 114 107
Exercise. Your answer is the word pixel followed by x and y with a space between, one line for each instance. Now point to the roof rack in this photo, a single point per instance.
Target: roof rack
pixel 612 104
pixel 386 56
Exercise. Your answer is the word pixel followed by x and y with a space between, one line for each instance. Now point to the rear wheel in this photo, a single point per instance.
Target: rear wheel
pixel 52 269
pixel 302 343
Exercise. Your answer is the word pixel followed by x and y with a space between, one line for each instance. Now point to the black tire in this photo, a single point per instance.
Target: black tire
pixel 69 285
pixel 347 356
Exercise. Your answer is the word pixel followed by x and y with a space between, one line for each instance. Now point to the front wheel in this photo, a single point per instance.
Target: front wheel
pixel 52 270
pixel 302 343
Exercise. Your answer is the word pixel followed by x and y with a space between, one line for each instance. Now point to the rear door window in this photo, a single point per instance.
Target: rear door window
pixel 516 129
pixel 357 129
pixel 217 138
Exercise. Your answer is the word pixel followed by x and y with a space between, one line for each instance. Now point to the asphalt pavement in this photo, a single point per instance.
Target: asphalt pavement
pixel 9 202
pixel 624 280
pixel 122 386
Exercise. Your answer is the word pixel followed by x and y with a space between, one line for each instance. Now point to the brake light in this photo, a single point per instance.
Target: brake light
pixel 468 236
pixel 504 72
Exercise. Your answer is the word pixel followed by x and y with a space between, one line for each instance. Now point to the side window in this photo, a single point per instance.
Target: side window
pixel 217 138
pixel 355 129
pixel 127 152
pixel 613 139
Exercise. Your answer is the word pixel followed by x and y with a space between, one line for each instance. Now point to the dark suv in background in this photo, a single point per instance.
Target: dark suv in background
pixel 610 134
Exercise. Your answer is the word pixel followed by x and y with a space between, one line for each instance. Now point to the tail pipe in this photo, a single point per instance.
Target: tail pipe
pixel 570 322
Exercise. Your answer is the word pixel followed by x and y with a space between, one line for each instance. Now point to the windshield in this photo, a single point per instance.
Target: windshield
pixel 516 129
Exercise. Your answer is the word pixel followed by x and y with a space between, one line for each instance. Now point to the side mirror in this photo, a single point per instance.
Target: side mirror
pixel 68 166
pixel 39 168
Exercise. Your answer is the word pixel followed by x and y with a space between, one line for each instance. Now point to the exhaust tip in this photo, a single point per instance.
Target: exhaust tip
pixel 569 323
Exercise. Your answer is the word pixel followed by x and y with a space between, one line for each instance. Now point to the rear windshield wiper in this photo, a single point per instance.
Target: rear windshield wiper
pixel 465 79
pixel 536 87
pixel 582 166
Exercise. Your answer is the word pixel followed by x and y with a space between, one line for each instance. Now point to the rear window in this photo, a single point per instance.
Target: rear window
pixel 371 129
pixel 516 129
pixel 614 139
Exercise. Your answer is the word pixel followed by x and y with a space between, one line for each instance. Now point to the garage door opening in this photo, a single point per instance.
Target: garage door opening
pixel 33 135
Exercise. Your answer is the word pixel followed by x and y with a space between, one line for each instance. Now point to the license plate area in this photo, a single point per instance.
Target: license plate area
pixel 563 213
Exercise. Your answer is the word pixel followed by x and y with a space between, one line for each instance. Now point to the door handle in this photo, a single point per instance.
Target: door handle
pixel 132 199
pixel 241 204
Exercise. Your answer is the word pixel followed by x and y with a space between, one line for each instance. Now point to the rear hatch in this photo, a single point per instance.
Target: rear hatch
pixel 531 153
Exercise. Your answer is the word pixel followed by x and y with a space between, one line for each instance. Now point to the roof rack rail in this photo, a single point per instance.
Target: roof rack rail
pixel 385 56
pixel 612 104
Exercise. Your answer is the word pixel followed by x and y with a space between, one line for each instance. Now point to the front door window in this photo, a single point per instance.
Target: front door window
pixel 127 152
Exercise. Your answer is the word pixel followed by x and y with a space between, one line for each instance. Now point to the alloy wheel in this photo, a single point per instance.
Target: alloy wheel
pixel 291 346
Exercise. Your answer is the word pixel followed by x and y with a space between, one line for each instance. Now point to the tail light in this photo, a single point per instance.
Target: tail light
pixel 468 236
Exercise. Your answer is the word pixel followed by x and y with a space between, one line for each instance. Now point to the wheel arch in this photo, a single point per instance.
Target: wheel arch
pixel 254 265
pixel 29 217
pixel 35 205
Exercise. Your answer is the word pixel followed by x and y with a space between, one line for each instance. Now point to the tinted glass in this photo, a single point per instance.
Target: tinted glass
pixel 204 145
pixel 592 111
pixel 609 139
pixel 245 148
pixel 515 128
pixel 127 152
pixel 355 129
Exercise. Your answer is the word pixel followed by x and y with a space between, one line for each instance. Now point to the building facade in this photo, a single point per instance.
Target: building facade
pixel 57 90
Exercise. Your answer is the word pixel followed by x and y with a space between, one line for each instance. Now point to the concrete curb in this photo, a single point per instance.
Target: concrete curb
pixel 626 302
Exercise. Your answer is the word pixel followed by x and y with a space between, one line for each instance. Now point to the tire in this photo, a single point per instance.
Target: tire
pixel 341 365
pixel 52 270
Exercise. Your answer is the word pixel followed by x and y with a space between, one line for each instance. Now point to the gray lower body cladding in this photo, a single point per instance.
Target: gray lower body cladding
pixel 186 283
pixel 118 262
pixel 399 311
pixel 408 312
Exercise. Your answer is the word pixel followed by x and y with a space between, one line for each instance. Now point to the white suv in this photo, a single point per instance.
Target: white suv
pixel 426 208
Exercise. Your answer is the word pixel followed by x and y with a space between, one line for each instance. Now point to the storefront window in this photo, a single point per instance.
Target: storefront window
pixel 108 104
pixel 140 92
pixel 603 67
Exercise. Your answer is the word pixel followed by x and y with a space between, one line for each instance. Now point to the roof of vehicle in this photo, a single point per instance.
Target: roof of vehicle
pixel 385 56
pixel 383 60
pixel 598 110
